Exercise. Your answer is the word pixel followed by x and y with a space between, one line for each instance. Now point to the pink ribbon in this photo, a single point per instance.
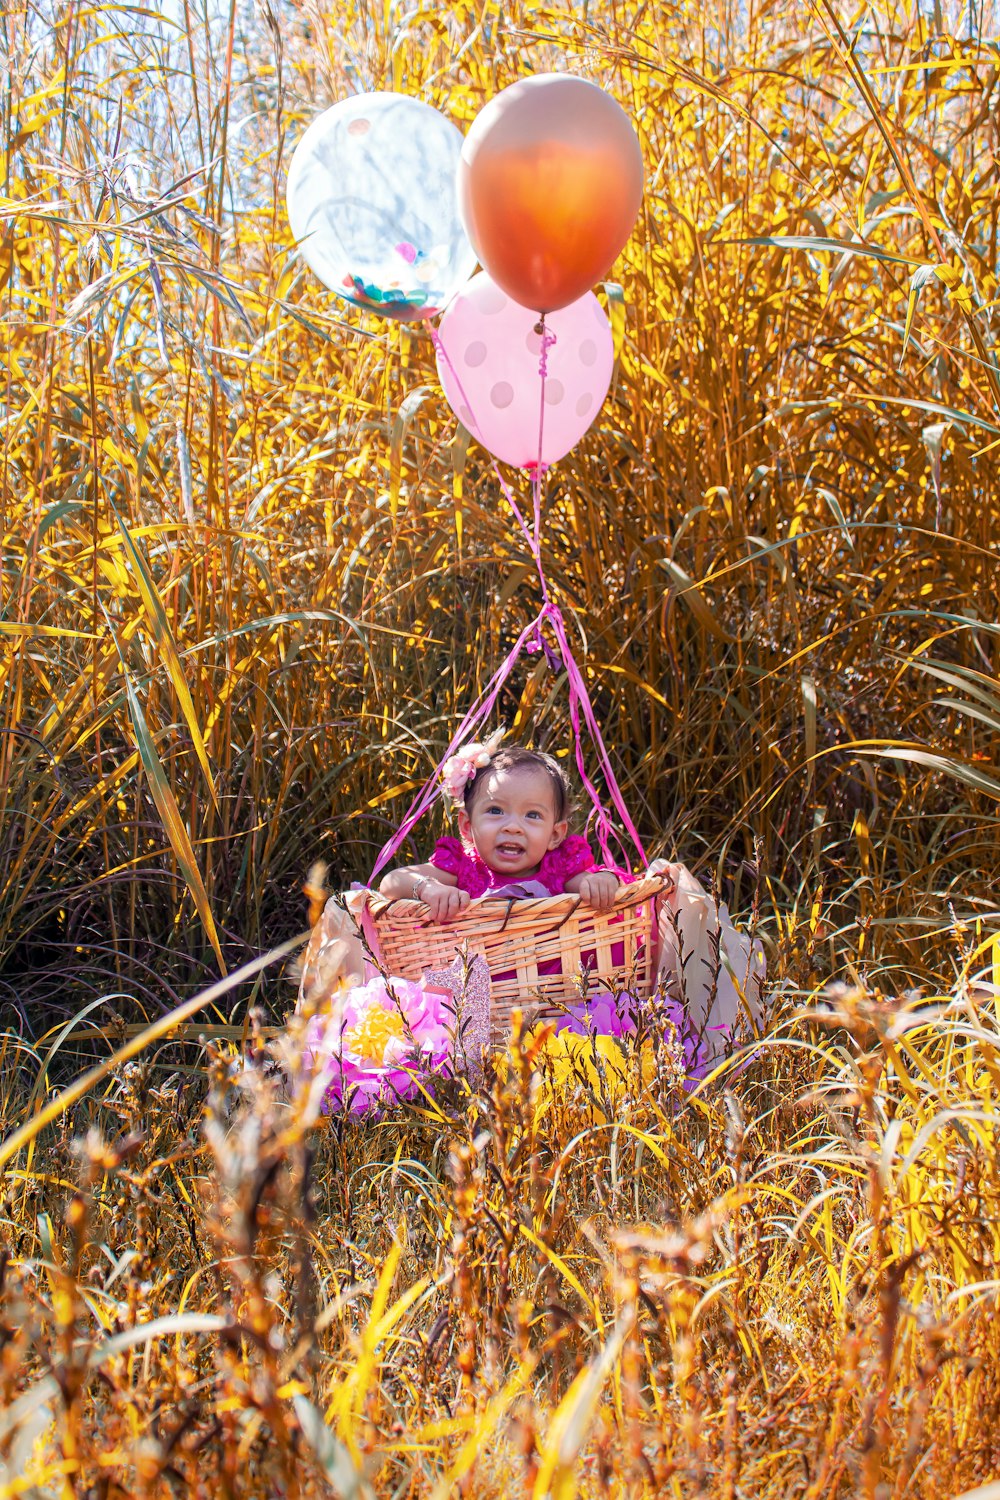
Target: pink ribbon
pixel 476 716
pixel 531 638
pixel 579 699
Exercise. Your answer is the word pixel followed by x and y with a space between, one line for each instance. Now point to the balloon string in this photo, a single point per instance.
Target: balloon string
pixel 579 697
pixel 538 477
pixel 530 639
pixel 532 539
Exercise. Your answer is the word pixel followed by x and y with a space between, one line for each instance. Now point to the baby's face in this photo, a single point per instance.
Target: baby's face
pixel 513 820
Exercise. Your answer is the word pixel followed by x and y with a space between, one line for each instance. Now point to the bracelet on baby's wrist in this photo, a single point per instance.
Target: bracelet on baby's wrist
pixel 418 886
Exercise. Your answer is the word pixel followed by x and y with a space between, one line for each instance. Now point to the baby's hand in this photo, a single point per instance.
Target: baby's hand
pixel 599 890
pixel 443 901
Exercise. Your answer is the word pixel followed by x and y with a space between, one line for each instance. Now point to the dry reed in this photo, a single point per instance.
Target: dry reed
pixel 245 591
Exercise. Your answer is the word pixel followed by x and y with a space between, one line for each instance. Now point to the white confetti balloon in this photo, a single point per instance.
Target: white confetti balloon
pixel 372 204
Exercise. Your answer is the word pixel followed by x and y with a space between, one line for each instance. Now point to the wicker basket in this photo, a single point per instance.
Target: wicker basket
pixel 520 939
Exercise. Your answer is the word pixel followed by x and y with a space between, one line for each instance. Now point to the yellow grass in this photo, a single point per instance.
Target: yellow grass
pixel 225 652
pixel 783 1284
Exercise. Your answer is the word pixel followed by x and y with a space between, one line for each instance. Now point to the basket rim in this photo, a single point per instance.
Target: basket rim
pixel 490 907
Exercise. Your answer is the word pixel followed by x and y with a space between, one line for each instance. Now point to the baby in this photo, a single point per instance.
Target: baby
pixel 513 820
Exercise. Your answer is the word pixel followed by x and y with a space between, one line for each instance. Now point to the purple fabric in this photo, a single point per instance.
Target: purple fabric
pixel 600 1013
pixel 467 982
pixel 604 1014
pixel 473 874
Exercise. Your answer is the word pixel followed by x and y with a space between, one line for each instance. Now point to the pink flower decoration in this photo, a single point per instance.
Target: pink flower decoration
pixel 364 1049
pixel 459 769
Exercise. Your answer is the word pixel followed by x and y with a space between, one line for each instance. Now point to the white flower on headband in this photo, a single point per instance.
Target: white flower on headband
pixel 459 769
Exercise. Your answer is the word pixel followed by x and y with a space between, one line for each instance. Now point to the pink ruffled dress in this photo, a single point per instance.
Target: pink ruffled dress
pixel 473 874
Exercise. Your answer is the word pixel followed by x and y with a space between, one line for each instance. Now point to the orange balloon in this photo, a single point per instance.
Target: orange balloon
pixel 549 187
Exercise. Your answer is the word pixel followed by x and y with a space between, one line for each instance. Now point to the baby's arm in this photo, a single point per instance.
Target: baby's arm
pixel 437 889
pixel 597 888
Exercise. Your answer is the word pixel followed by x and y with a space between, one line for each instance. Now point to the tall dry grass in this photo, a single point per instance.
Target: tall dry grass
pixel 226 651
pixel 783 1285
pixel 249 575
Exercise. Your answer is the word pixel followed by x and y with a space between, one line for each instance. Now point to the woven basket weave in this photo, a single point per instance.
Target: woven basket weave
pixel 517 938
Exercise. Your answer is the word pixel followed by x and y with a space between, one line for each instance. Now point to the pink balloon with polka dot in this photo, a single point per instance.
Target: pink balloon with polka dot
pixel 488 359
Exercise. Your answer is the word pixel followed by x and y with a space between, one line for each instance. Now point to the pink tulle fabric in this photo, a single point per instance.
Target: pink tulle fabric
pixel 473 874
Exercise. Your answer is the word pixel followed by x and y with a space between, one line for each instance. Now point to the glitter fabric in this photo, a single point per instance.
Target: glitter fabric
pixel 467 981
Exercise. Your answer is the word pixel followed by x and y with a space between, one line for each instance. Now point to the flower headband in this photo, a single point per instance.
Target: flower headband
pixel 459 769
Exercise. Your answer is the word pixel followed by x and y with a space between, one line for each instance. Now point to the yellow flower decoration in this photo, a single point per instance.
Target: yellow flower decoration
pixel 370 1036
